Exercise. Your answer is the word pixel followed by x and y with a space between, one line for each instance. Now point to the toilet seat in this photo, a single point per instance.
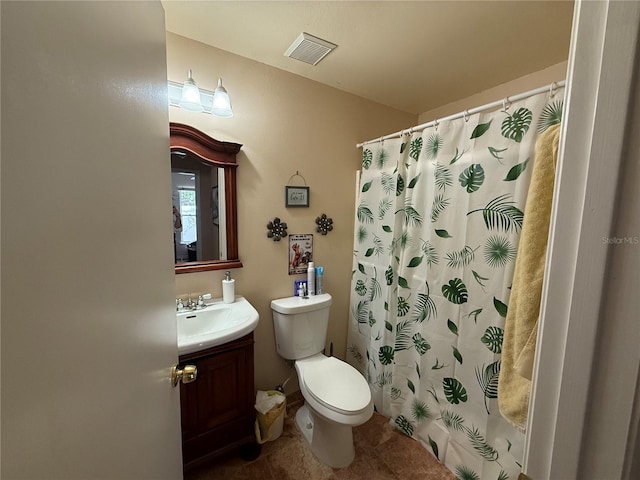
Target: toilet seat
pixel 335 384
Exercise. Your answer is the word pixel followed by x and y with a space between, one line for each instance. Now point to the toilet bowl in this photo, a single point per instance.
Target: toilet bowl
pixel 335 389
pixel 337 397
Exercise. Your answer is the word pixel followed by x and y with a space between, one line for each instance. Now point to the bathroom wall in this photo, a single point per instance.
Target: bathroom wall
pixel 554 73
pixel 286 123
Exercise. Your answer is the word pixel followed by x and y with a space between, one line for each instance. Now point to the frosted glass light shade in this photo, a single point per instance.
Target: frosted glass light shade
pixel 221 102
pixel 190 99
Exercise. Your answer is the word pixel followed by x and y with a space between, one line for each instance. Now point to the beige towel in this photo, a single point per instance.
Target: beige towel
pixel 521 324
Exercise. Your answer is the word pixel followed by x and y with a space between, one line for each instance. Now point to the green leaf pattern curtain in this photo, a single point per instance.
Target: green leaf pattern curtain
pixel 438 219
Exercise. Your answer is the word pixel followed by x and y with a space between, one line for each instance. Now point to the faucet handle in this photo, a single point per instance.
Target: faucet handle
pixel 179 304
pixel 200 301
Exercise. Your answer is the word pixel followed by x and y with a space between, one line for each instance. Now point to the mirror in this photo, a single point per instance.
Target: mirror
pixel 199 230
pixel 203 173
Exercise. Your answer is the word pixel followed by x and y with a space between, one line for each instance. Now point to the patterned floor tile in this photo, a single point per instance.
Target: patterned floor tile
pixel 382 453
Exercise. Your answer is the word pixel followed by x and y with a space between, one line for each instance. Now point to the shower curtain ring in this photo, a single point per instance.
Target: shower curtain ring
pixel 505 104
pixel 435 124
pixel 465 115
pixel 553 89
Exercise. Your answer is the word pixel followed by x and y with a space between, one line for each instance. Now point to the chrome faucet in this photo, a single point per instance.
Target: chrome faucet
pixel 191 305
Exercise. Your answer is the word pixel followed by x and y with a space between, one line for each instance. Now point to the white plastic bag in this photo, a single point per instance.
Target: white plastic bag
pixel 271 407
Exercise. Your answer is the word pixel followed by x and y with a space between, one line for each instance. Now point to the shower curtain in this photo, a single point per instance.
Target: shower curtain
pixel 438 218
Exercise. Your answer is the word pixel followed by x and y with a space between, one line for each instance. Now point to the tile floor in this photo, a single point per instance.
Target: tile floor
pixel 382 453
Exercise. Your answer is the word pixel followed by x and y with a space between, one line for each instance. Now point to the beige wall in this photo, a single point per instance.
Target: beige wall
pixel 286 124
pixel 537 79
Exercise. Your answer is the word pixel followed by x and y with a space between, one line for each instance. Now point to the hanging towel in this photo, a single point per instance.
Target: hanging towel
pixel 521 324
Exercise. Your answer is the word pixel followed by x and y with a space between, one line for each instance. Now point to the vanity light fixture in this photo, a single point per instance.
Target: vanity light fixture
pixel 193 99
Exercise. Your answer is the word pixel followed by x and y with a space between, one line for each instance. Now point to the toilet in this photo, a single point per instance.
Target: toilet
pixel 337 397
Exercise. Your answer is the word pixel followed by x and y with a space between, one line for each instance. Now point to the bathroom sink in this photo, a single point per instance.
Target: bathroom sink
pixel 215 324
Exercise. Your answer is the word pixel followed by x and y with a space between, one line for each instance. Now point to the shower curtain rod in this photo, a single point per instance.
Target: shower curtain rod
pixel 505 102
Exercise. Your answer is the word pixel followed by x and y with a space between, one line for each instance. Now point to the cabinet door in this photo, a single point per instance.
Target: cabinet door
pixel 217 409
pixel 222 388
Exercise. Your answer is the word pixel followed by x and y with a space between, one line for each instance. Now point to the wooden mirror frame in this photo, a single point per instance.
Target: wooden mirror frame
pixel 221 155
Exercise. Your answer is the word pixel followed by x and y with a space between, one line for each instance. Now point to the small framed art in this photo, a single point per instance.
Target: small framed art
pixel 296 196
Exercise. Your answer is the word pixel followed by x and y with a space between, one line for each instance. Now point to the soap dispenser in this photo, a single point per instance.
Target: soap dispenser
pixel 228 288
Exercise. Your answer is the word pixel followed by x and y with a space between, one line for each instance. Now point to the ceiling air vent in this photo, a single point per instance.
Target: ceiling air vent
pixel 309 49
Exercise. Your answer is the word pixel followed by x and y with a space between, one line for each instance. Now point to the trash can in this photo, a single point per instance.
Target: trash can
pixel 271 407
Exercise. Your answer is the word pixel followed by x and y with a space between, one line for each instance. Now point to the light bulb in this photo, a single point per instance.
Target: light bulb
pixel 191 96
pixel 221 102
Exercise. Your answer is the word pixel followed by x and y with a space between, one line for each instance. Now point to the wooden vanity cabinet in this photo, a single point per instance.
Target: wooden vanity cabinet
pixel 217 409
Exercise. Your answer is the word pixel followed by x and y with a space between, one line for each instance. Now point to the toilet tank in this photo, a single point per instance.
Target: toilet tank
pixel 300 325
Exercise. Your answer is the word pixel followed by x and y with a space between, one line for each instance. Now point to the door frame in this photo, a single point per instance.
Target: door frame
pixel 600 88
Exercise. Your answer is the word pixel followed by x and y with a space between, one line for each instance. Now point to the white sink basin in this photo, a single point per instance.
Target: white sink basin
pixel 216 324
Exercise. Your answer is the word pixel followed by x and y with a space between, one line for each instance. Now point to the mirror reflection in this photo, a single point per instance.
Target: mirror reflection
pixel 205 223
pixel 199 234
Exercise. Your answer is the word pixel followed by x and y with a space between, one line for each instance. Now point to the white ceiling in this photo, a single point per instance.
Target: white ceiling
pixel 413 56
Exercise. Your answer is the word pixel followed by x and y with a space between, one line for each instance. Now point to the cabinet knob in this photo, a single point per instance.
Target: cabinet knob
pixel 187 374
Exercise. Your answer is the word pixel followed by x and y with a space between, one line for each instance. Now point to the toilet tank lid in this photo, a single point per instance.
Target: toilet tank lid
pixel 293 305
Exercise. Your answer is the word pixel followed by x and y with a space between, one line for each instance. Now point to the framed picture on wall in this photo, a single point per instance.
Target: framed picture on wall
pixel 296 197
pixel 300 252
